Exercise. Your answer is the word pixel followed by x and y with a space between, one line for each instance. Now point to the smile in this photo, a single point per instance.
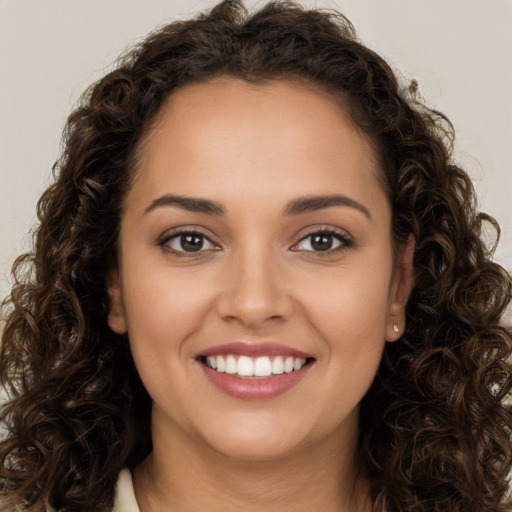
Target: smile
pixel 264 366
pixel 254 371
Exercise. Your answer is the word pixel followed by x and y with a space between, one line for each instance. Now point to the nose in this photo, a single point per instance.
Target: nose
pixel 254 293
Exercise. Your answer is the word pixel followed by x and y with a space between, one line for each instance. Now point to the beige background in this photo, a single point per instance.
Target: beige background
pixel 50 50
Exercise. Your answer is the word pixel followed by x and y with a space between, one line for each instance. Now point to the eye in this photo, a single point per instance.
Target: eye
pixel 323 241
pixel 187 242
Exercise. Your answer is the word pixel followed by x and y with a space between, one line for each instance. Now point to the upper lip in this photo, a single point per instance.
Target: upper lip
pixel 240 348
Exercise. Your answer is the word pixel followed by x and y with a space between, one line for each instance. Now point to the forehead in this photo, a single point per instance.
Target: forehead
pixel 249 135
pixel 279 102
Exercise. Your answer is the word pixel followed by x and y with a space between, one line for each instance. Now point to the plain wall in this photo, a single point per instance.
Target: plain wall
pixel 460 51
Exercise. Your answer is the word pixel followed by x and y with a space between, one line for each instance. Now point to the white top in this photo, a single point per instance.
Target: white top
pixel 125 496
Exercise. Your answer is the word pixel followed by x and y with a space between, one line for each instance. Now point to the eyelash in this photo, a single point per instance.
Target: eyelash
pixel 345 242
pixel 178 234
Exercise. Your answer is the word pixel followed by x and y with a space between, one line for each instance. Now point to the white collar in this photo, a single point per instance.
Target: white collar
pixel 125 496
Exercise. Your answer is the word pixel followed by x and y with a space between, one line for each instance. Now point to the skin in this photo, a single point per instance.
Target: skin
pixel 253 149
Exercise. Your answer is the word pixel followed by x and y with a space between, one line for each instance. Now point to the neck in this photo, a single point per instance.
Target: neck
pixel 179 476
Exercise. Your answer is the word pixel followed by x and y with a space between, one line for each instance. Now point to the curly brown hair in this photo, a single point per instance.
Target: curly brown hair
pixel 434 430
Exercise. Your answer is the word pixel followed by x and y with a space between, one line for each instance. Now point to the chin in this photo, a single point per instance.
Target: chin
pixel 256 450
pixel 256 442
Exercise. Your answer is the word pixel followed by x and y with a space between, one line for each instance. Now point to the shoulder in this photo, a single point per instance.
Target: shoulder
pixel 125 496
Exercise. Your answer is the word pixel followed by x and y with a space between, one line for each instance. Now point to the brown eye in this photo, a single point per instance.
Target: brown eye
pixel 191 243
pixel 188 243
pixel 323 241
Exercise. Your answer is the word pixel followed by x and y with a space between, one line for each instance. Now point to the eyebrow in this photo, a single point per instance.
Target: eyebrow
pixel 191 204
pixel 314 203
pixel 295 207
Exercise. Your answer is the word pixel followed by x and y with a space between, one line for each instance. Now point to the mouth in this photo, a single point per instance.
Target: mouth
pixel 254 371
pixel 261 367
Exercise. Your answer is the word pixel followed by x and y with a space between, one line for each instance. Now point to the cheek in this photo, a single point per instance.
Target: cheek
pixel 162 307
pixel 352 303
pixel 351 317
pixel 354 333
pixel 162 315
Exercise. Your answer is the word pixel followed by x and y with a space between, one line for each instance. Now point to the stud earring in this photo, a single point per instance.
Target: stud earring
pixel 395 328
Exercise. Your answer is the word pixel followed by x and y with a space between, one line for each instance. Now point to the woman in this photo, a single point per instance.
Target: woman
pixel 258 284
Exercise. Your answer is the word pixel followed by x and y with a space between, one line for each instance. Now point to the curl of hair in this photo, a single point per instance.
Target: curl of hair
pixel 435 432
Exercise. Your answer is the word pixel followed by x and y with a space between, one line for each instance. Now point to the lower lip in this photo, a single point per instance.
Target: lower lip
pixel 254 389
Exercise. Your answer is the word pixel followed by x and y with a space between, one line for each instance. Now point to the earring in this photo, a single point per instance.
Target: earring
pixel 395 328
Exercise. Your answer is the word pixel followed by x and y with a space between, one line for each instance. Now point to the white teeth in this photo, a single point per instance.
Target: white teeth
pixel 221 364
pixel 298 364
pixel 288 364
pixel 262 367
pixel 230 365
pixel 245 366
pixel 259 367
pixel 278 366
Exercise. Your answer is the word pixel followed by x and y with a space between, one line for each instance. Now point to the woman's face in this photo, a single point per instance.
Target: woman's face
pixel 256 239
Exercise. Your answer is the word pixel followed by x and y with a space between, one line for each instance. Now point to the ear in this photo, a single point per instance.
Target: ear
pixel 116 315
pixel 401 287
